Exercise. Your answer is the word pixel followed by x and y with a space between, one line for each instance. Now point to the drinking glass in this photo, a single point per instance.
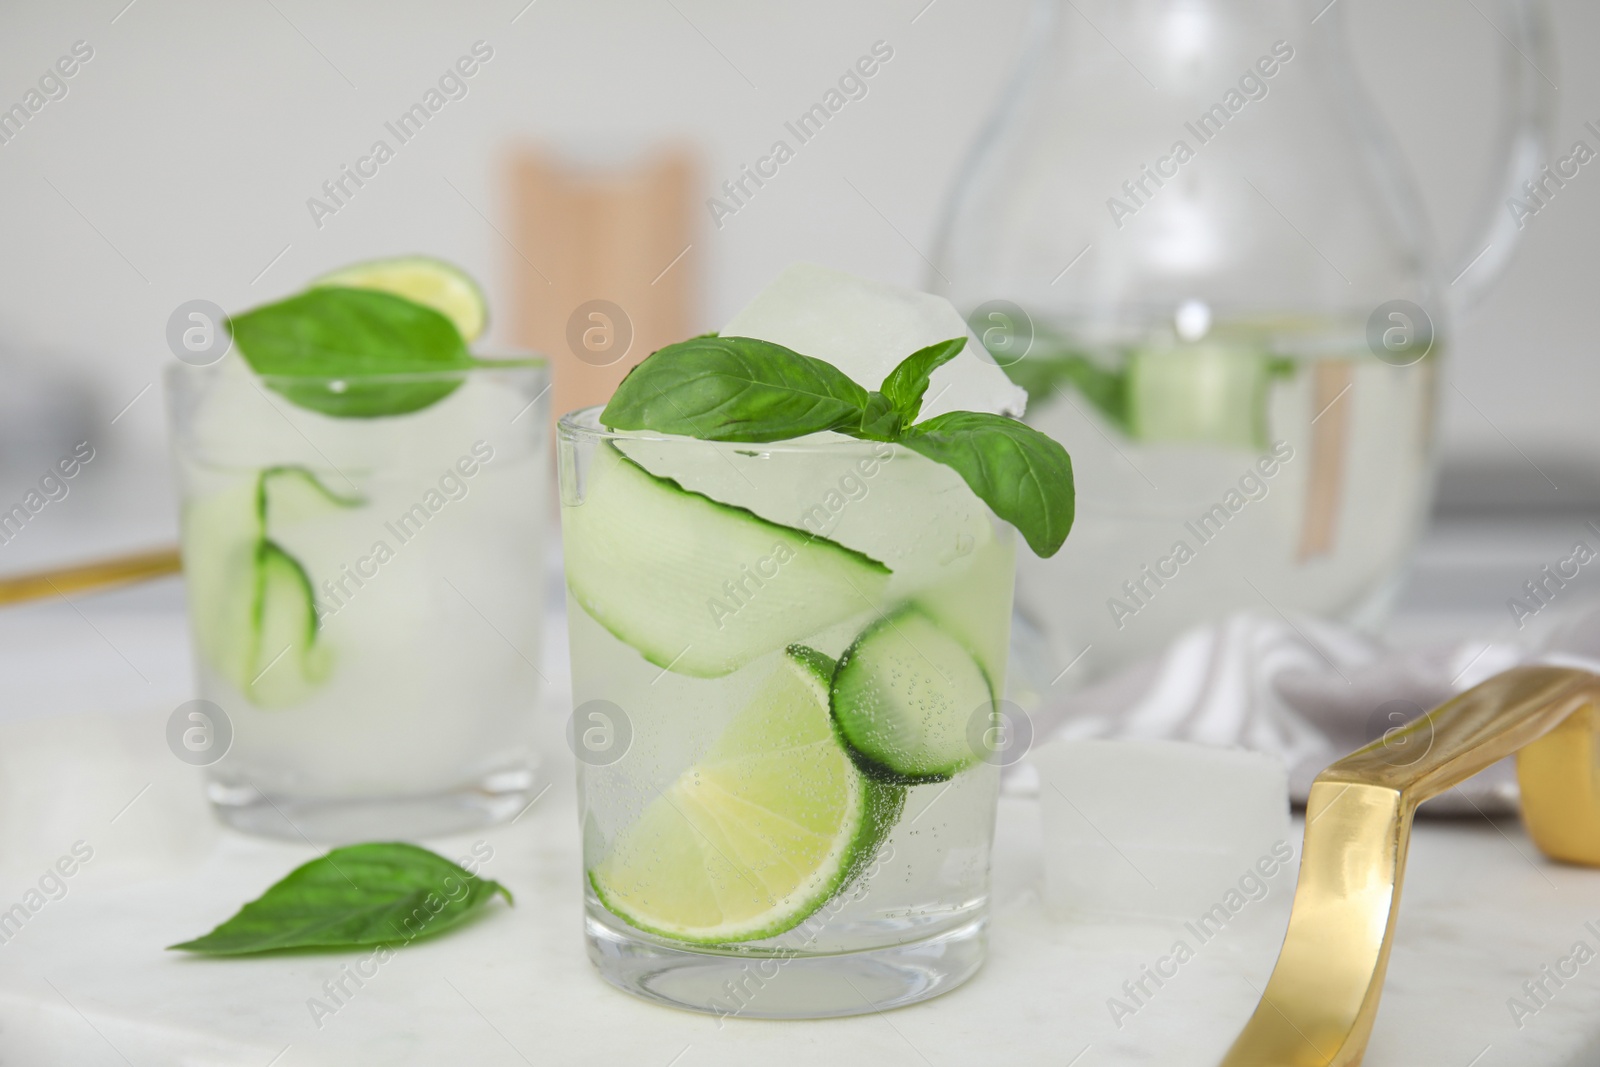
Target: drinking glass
pixel 742 617
pixel 365 596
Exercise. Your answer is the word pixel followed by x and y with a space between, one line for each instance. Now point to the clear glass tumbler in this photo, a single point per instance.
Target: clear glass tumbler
pixel 787 660
pixel 365 596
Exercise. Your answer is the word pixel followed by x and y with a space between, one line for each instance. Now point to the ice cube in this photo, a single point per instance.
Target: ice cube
pixel 865 328
pixel 1163 828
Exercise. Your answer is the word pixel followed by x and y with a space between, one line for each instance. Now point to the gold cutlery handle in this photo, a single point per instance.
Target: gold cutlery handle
pixel 90 577
pixel 1320 1003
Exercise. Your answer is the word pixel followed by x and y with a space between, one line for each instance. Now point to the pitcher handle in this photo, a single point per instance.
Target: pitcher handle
pixel 1320 1003
pixel 1521 148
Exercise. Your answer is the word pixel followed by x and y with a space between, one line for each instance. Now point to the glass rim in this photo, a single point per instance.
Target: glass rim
pixel 583 423
pixel 499 361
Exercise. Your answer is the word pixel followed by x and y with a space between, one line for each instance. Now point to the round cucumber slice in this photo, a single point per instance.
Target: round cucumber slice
pixel 697 586
pixel 903 698
pixel 421 279
pixel 1206 394
pixel 771 822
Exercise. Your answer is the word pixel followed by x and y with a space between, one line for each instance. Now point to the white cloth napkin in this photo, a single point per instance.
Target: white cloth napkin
pixel 1308 690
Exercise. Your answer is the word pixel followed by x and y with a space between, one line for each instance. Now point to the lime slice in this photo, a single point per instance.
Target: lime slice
pixel 430 282
pixel 773 820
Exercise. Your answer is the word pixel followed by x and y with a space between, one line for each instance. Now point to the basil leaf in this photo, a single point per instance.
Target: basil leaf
pixel 1024 476
pixel 907 383
pixel 734 389
pixel 373 894
pixel 353 342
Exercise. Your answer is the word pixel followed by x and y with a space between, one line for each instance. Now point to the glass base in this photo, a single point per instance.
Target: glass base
pixel 799 987
pixel 344 820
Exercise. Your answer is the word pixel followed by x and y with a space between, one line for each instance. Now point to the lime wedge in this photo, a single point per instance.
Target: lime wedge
pixel 430 282
pixel 773 821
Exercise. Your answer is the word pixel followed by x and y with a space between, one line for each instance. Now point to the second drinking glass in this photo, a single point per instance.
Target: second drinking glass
pixel 364 594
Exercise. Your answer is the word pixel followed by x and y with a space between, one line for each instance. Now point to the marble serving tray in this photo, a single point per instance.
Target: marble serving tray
pixel 85 981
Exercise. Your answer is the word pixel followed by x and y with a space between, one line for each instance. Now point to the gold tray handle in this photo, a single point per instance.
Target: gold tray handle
pixel 90 577
pixel 1319 1005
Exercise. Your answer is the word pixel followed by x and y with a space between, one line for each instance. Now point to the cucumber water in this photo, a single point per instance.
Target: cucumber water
pixel 799 779
pixel 364 510
pixel 1273 462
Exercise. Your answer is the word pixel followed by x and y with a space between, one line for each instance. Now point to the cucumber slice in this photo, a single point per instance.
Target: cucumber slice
pixel 1207 394
pixel 294 494
pixel 422 280
pixel 221 536
pixel 253 603
pixel 287 661
pixel 903 697
pixel 772 822
pixel 697 586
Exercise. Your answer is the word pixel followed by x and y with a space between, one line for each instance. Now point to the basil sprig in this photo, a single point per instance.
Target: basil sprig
pixel 384 893
pixel 744 389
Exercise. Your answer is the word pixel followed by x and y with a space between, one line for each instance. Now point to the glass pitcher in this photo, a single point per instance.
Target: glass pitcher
pixel 1187 234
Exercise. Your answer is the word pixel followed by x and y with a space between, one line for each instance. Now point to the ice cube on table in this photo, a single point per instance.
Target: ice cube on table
pixel 865 328
pixel 1163 828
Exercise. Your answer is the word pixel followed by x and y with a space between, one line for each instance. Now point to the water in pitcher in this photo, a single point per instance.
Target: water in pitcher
pixel 1279 467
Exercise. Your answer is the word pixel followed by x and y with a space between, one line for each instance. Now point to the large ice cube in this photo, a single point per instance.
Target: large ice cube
pixel 1163 828
pixel 865 328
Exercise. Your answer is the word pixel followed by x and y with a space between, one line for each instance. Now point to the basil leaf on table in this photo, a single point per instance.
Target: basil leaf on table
pixel 373 894
pixel 1024 476
pixel 355 341
pixel 734 389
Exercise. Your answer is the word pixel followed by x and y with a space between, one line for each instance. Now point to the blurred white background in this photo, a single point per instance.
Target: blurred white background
pixel 180 162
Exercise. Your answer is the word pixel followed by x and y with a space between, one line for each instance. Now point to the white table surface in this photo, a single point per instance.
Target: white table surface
pixel 86 981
